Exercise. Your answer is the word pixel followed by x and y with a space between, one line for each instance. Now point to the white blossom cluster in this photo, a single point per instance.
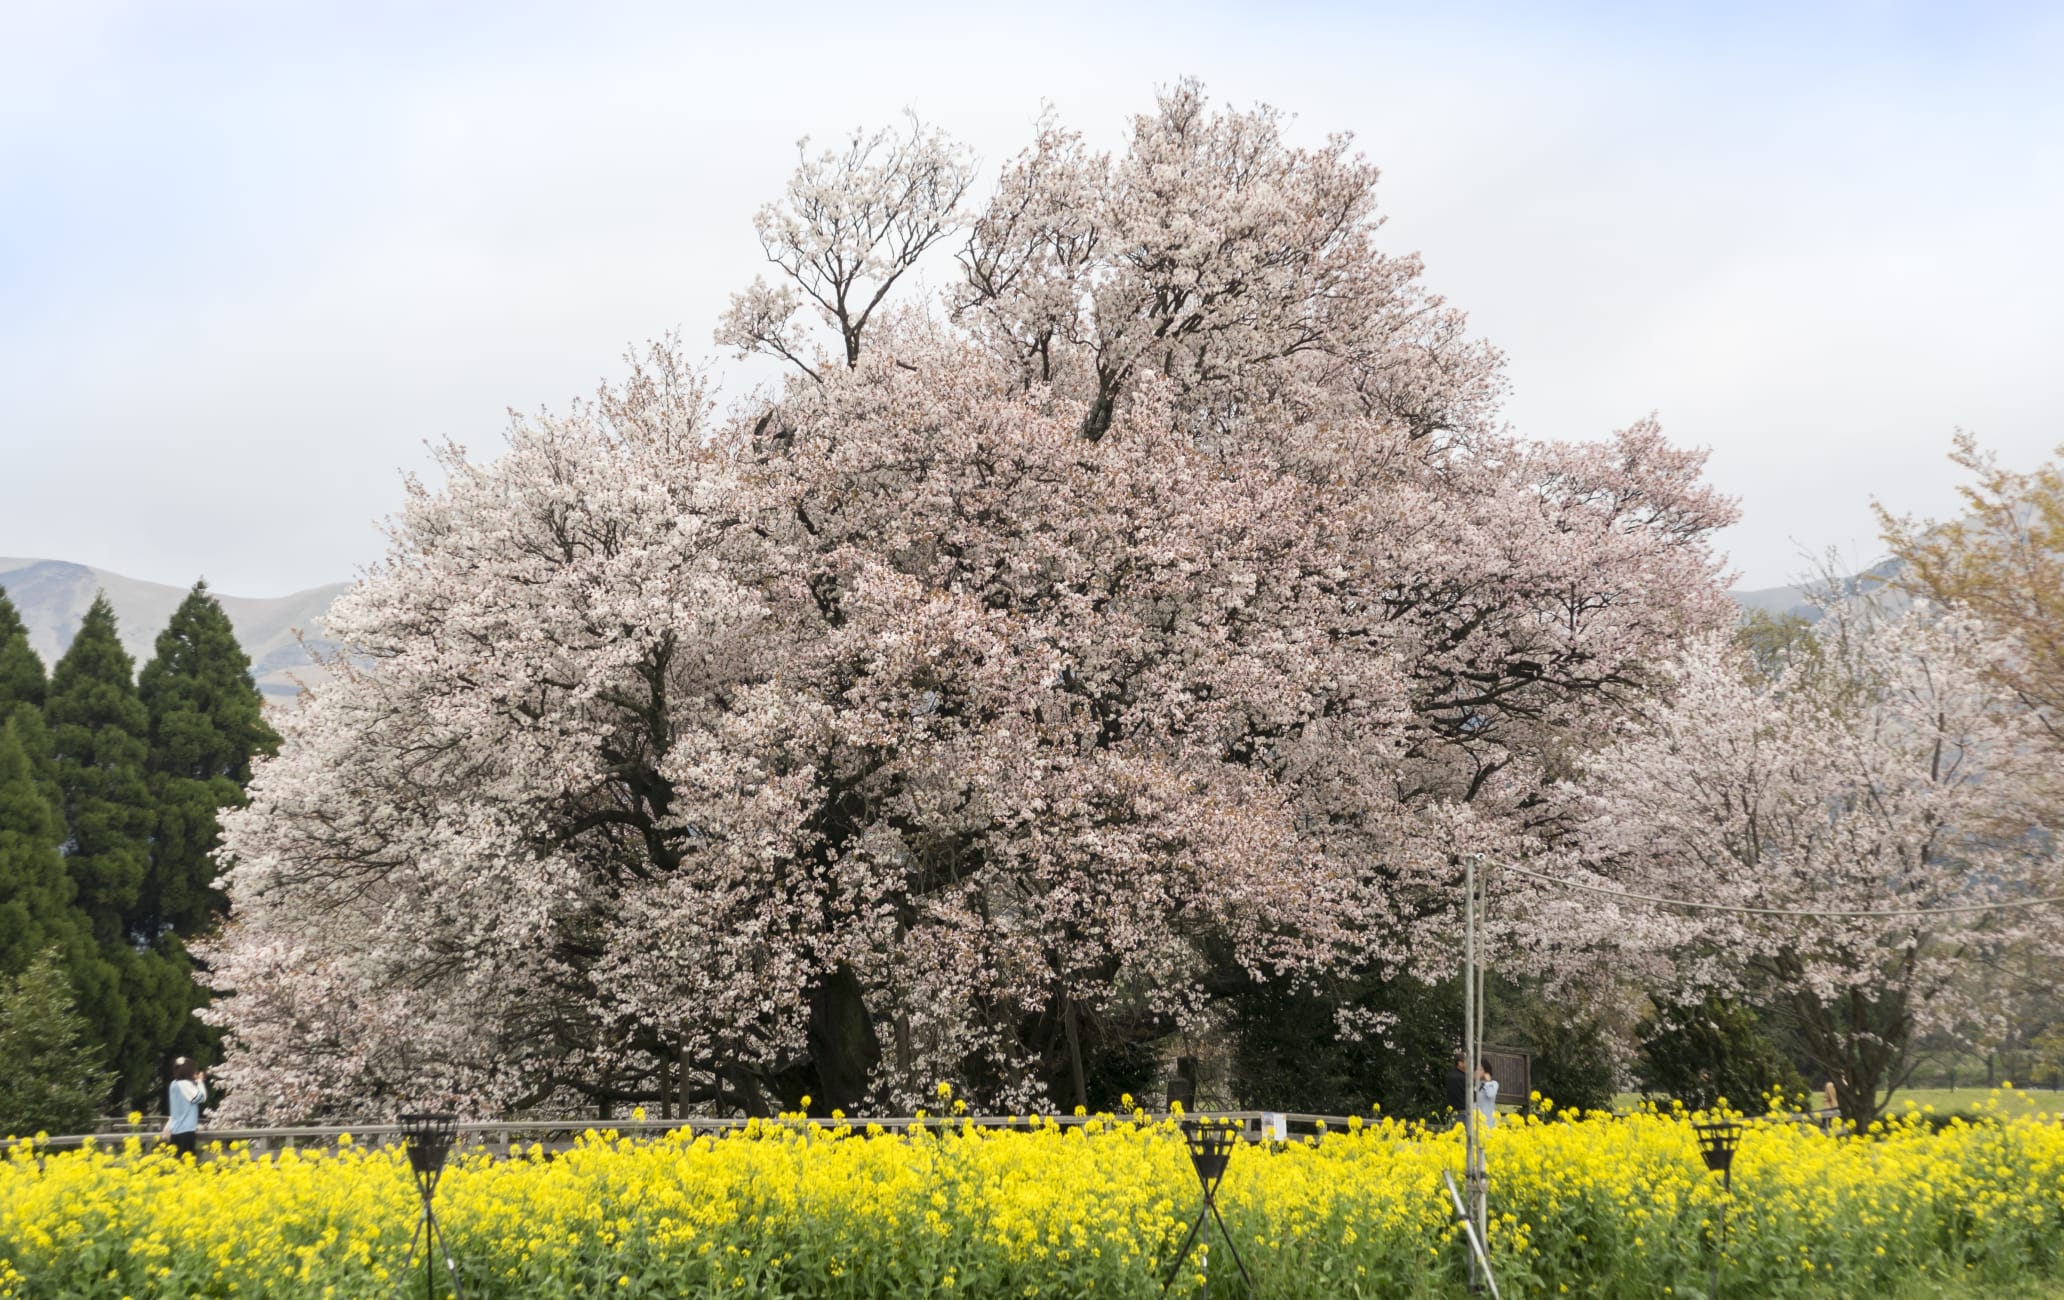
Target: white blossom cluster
pixel 1162 595
pixel 1880 770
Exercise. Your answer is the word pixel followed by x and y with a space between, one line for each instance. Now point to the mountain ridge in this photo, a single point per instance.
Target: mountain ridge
pixel 53 596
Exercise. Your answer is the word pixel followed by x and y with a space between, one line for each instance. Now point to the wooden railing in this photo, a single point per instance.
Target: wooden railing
pixel 506 1138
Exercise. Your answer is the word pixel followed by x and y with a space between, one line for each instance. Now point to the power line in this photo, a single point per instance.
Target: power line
pixel 1803 913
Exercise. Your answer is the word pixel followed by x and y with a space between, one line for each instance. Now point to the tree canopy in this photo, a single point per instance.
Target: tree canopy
pixel 1860 803
pixel 56 1081
pixel 1164 592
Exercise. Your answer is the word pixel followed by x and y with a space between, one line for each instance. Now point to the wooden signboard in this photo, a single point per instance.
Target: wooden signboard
pixel 1514 1071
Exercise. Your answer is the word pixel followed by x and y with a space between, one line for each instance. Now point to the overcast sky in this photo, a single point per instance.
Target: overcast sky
pixel 253 256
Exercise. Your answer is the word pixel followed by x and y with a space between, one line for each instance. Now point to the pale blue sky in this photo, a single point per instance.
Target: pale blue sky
pixel 252 256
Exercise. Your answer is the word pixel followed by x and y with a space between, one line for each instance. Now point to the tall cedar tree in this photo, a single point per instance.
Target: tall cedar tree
pixel 99 729
pixel 206 723
pixel 56 1081
pixel 38 907
pixel 21 672
pixel 23 684
pixel 35 894
pixel 99 733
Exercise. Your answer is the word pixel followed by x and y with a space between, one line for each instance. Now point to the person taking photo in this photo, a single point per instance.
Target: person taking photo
pixel 183 1105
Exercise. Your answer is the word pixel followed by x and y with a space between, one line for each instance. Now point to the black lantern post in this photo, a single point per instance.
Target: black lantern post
pixel 1718 1142
pixel 429 1139
pixel 1211 1150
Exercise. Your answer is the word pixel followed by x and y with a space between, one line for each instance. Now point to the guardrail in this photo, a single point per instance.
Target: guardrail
pixel 507 1138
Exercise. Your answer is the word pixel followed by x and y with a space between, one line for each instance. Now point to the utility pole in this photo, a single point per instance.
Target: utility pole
pixel 1476 1176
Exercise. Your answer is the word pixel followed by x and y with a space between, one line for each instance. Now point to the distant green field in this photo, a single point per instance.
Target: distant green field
pixel 2009 1102
pixel 2043 1290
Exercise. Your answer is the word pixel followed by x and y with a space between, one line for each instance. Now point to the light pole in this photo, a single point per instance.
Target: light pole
pixel 1475 1173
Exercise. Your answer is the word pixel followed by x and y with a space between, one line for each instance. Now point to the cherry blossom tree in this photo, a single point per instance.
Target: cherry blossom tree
pixel 1162 594
pixel 1878 767
pixel 852 223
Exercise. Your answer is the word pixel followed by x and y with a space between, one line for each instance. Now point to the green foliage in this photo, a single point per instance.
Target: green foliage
pixel 55 1083
pixel 2049 1055
pixel 206 723
pixel 23 686
pixel 109 791
pixel 22 681
pixel 35 893
pixel 1126 1068
pixel 98 728
pixel 1775 640
pixel 1290 1051
pixel 1712 1049
pixel 1571 1065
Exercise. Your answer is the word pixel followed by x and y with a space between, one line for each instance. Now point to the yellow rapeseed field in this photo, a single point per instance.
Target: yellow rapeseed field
pixel 1591 1206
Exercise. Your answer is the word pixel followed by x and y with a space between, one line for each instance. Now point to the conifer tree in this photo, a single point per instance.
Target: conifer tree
pixel 98 730
pixel 206 723
pixel 99 735
pixel 22 680
pixel 36 909
pixel 56 1080
pixel 23 685
pixel 35 893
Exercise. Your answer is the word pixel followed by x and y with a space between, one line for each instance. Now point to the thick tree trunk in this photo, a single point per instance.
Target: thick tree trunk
pixel 843 1047
pixel 1069 1022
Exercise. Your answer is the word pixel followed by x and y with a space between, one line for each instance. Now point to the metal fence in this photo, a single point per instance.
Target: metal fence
pixel 510 1138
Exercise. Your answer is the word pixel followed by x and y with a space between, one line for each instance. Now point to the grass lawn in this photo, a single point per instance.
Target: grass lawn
pixel 2046 1290
pixel 2011 1102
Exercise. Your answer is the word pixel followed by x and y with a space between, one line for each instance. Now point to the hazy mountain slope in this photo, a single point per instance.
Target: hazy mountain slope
pixel 53 595
pixel 1777 600
pixel 1796 600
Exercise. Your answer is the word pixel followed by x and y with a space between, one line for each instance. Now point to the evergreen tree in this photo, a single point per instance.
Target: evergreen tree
pixel 35 893
pixel 206 723
pixel 98 730
pixel 56 1081
pixel 99 735
pixel 23 686
pixel 21 672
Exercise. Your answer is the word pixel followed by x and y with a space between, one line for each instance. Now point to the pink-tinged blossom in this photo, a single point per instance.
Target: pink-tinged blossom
pixel 1878 769
pixel 1165 595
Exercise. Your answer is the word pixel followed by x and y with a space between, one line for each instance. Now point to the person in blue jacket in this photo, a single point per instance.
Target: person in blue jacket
pixel 183 1105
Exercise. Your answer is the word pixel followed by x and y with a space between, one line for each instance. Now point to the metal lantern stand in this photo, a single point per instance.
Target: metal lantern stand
pixel 1211 1149
pixel 429 1140
pixel 1718 1142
